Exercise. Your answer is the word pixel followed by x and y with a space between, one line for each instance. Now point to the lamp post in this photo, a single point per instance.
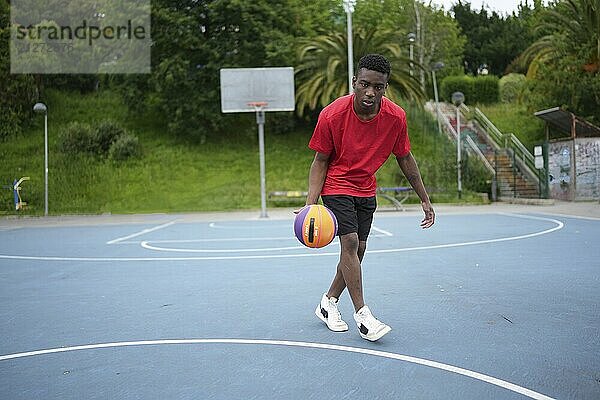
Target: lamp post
pixel 349 8
pixel 436 67
pixel 41 108
pixel 411 41
pixel 458 98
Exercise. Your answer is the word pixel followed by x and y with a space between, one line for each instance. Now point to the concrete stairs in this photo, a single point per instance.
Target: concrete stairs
pixel 511 181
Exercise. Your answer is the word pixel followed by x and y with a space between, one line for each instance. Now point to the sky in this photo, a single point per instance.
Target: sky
pixel 500 6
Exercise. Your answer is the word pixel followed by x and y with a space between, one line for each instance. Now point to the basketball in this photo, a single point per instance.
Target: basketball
pixel 315 226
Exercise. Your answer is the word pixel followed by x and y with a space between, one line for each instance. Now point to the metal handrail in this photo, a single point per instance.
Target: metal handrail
pixel 490 128
pixel 470 142
pixel 509 141
pixel 479 153
pixel 526 157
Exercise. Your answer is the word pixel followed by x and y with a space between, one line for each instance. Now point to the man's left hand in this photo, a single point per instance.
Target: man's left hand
pixel 429 219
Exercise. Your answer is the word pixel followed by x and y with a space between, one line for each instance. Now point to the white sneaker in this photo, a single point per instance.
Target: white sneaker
pixel 328 312
pixel 369 327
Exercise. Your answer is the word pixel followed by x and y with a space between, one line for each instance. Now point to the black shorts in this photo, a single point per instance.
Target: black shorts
pixel 354 214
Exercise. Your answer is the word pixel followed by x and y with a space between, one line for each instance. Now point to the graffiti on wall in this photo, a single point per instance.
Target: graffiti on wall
pixel 587 168
pixel 559 170
pixel 574 169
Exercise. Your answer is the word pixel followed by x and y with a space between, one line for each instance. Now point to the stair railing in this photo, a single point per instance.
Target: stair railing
pixel 472 145
pixel 509 141
pixel 480 154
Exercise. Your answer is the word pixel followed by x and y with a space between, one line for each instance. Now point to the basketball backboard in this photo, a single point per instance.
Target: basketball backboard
pixel 242 86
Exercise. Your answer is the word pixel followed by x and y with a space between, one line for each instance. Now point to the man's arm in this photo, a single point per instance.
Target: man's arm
pixel 409 168
pixel 316 177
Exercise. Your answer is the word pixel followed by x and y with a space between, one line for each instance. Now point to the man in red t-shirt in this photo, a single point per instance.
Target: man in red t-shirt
pixel 354 136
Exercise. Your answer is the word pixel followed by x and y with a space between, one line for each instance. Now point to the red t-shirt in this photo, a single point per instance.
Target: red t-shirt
pixel 356 148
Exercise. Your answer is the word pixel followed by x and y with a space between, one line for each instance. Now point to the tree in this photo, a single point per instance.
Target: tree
pixel 17 92
pixel 193 40
pixel 572 28
pixel 322 68
pixel 563 65
pixel 438 36
pixel 493 39
pixel 438 39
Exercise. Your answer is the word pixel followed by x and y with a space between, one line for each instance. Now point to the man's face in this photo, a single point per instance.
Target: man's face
pixel 369 86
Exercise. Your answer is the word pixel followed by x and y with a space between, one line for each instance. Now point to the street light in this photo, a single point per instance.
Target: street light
pixel 436 67
pixel 349 8
pixel 457 99
pixel 40 108
pixel 411 41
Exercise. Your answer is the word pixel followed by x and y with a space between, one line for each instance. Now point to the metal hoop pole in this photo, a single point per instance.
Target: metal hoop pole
pixel 260 121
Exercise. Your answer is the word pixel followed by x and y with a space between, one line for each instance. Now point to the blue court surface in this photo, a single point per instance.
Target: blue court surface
pixel 493 302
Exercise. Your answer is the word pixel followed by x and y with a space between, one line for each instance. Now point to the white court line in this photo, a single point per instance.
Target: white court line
pixel 572 216
pixel 145 245
pixel 395 356
pixel 386 233
pixel 141 232
pixel 312 253
pixel 228 239
pixel 235 239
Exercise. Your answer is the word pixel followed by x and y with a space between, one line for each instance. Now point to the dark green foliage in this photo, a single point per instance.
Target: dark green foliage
pixel 563 65
pixel 17 92
pixel 485 89
pixel 494 39
pixel 482 89
pixel 457 83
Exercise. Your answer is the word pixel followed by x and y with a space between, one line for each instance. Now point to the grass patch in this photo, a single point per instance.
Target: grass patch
pixel 177 175
pixel 516 119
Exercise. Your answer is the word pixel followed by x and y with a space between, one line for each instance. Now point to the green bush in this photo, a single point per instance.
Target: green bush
pixel 457 83
pixel 485 89
pixel 482 89
pixel 108 138
pixel 126 146
pixel 511 87
pixel 104 135
pixel 76 138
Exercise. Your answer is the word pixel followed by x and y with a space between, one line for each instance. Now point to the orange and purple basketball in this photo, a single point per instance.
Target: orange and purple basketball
pixel 315 226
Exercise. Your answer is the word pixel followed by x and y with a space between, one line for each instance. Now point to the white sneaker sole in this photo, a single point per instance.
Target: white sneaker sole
pixel 322 318
pixel 376 335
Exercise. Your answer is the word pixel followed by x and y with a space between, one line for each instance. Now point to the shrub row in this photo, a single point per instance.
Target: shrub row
pixel 480 89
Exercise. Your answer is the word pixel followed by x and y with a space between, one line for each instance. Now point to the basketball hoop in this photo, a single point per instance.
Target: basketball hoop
pixel 245 90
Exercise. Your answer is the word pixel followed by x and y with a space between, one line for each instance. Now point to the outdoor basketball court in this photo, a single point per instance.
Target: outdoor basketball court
pixel 493 302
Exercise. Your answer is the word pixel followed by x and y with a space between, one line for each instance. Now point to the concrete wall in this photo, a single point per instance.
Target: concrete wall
pixel 574 169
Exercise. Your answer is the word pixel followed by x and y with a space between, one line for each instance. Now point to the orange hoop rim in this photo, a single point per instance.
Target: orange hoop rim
pixel 257 103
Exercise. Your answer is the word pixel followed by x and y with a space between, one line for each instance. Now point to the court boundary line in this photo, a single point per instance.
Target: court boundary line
pixel 571 216
pixel 146 245
pixel 384 232
pixel 228 239
pixel 317 252
pixel 142 232
pixel 358 350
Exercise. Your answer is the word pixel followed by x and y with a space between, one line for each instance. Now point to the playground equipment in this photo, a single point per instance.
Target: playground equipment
pixel 16 187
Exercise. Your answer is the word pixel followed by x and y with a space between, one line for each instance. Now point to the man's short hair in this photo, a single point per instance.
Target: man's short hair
pixel 375 62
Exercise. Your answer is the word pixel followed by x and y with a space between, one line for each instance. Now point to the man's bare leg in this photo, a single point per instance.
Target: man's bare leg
pixel 338 284
pixel 349 273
